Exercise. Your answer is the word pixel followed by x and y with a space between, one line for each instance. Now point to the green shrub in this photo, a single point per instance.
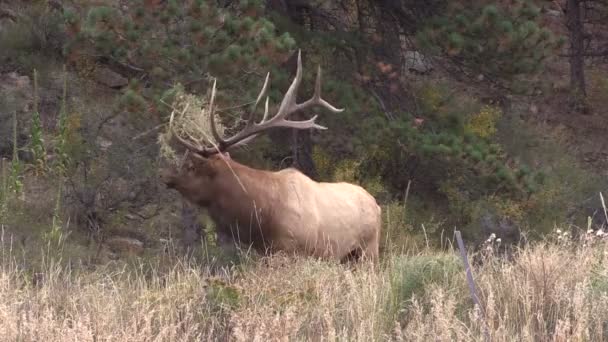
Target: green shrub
pixel 451 152
pixel 36 35
pixel 413 275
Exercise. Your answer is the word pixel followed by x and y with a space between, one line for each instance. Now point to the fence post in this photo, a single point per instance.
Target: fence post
pixel 471 283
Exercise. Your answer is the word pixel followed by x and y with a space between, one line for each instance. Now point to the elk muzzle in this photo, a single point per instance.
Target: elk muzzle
pixel 168 176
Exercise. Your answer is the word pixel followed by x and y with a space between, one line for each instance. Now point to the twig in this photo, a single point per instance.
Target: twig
pixel 604 206
pixel 426 237
pixel 388 114
pixel 147 132
pixel 407 194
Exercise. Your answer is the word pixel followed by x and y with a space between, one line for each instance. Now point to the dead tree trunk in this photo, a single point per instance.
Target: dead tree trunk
pixel 577 47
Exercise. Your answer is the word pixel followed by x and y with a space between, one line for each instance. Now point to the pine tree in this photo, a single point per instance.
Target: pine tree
pixel 499 42
pixel 162 43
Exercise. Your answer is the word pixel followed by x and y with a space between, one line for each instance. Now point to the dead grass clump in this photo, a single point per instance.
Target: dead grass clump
pixel 103 306
pixel 305 299
pixel 547 292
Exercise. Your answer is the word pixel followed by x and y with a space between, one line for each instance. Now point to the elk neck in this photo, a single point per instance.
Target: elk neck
pixel 243 195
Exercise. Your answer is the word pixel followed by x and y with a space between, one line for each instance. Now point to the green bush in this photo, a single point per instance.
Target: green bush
pixel 414 275
pixel 36 35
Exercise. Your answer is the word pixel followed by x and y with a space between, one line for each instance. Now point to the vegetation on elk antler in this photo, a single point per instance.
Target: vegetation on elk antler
pixel 190 118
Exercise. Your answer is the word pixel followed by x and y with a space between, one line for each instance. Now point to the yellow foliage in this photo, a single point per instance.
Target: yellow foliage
pixel 343 171
pixel 509 208
pixel 323 163
pixel 483 123
pixel 85 66
pixel 598 91
pixel 73 124
pixel 430 98
pixel 374 186
pixel 346 171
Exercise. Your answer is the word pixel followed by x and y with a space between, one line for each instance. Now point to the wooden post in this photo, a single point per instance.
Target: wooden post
pixel 470 282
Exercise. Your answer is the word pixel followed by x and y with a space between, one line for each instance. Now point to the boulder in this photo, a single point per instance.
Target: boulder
pixel 109 78
pixel 125 245
pixel 416 62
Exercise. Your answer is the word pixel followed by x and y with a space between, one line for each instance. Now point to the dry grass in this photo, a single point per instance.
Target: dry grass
pixel 553 291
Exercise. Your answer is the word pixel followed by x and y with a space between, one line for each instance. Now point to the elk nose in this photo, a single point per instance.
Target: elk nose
pixel 167 178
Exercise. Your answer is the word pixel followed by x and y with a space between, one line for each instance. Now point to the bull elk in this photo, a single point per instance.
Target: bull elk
pixel 283 210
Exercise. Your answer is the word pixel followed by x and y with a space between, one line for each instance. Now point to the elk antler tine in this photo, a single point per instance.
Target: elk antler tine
pixel 327 105
pixel 257 101
pixel 264 88
pixel 216 135
pixel 265 117
pixel 299 68
pixel 245 141
pixel 289 100
pixel 184 142
pixel 310 123
pixel 287 106
pixel 317 95
pixel 171 118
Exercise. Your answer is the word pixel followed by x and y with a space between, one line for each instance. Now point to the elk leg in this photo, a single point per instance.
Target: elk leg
pixel 352 256
pixel 371 251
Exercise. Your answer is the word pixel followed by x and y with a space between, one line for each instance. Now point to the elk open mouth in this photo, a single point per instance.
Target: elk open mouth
pixel 170 184
pixel 168 179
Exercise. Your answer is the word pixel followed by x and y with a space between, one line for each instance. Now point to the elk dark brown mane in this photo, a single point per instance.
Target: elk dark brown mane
pixel 283 210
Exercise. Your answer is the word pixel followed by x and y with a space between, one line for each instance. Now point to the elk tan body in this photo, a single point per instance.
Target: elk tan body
pixel 283 210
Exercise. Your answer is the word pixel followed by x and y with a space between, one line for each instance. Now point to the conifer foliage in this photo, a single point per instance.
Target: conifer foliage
pixel 500 41
pixel 179 41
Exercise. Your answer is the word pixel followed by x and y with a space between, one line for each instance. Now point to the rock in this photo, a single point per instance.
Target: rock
pixel 7 14
pixel 534 109
pixel 109 78
pixel 554 13
pixel 125 245
pixel 7 17
pixel 149 210
pixel 103 144
pixel 415 61
pixel 131 217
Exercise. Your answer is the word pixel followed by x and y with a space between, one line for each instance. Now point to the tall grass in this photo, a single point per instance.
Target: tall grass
pixel 548 292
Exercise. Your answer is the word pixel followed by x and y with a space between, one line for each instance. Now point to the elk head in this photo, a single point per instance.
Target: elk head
pixel 194 179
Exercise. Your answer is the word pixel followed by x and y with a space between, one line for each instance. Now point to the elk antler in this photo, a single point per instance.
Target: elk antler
pixel 252 129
